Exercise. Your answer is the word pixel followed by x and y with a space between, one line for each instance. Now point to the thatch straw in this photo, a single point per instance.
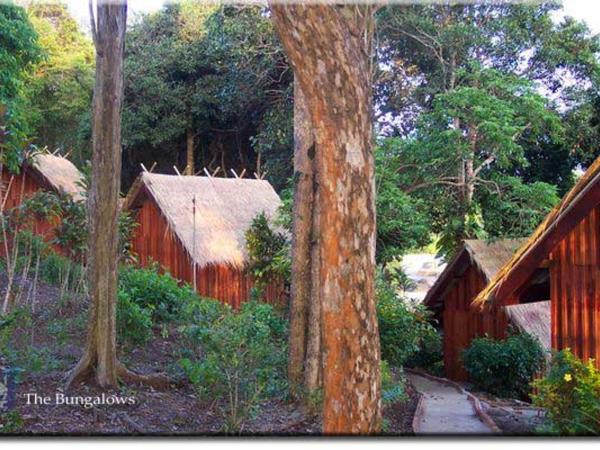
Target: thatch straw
pixel 587 180
pixel 60 173
pixel 488 256
pixel 225 208
pixel 533 318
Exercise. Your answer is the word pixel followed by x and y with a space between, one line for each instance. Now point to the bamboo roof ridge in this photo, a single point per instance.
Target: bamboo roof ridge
pixel 487 256
pixel 60 174
pixel 225 208
pixel 582 198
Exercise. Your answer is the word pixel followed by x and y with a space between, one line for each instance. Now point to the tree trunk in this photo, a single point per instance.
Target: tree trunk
pixel 301 247
pixel 100 354
pixel 189 141
pixel 329 49
pixel 304 365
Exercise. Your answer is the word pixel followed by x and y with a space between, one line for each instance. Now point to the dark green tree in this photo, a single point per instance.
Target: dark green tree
pixel 206 86
pixel 478 128
pixel 468 87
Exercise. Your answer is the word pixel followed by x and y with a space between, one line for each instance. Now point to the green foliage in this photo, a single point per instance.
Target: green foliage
pixel 11 422
pixel 216 70
pixel 402 220
pixel 495 86
pixel 18 51
pixel 59 270
pixel 8 324
pixel 477 126
pixel 134 323
pixel 519 207
pixel 393 388
pixel 70 222
pixel 160 295
pixel 504 367
pixel 58 89
pixel 243 357
pixel 570 394
pixel 268 252
pixel 404 330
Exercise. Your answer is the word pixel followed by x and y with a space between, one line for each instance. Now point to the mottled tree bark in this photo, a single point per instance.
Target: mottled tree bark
pixel 100 356
pixel 329 49
pixel 301 246
pixel 304 366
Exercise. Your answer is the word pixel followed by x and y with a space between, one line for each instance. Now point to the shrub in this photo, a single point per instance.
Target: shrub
pixel 56 269
pixel 504 367
pixel 160 294
pixel 134 323
pixel 243 357
pixel 392 390
pixel 404 331
pixel 570 394
pixel 268 252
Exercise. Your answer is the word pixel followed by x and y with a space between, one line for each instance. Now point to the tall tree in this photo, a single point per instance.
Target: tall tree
pixel 100 355
pixel 329 48
pixel 207 84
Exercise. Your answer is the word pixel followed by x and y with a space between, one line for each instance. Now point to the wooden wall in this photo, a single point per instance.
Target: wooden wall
pixel 154 241
pixel 24 185
pixel 575 289
pixel 461 323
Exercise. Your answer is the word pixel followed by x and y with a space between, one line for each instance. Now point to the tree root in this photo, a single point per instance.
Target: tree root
pixel 85 368
pixel 158 381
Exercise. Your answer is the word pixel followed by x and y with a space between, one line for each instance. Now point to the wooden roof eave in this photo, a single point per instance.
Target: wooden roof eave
pixel 441 286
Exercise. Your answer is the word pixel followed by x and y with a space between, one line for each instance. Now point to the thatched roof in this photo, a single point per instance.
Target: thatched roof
pixel 574 206
pixel 59 173
pixel 533 318
pixel 225 208
pixel 487 256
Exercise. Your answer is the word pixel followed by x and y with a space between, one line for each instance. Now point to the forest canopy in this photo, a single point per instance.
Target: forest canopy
pixel 483 112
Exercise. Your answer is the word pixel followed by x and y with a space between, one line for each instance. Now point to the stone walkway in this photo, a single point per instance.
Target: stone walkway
pixel 445 410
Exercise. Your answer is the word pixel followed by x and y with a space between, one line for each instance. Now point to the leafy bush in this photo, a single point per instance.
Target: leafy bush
pixel 392 390
pixel 570 394
pixel 504 367
pixel 59 270
pixel 160 294
pixel 134 323
pixel 243 357
pixel 268 252
pixel 403 330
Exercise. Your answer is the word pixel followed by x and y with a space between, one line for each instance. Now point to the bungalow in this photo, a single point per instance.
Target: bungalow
pixel 42 172
pixel 450 298
pixel 195 227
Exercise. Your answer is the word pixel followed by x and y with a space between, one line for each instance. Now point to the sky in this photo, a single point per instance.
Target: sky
pixel 586 10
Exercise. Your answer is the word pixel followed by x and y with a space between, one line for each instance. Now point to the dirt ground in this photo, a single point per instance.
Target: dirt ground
pixel 52 344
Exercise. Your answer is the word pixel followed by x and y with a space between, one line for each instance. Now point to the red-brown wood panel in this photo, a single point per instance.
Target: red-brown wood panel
pixel 462 323
pixel 16 188
pixel 575 290
pixel 154 241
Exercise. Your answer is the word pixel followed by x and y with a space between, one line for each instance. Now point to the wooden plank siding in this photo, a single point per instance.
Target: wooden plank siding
pixel 462 323
pixel 575 289
pixel 154 241
pixel 21 187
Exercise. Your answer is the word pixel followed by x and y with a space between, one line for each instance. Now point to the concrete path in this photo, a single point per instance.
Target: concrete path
pixel 445 410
